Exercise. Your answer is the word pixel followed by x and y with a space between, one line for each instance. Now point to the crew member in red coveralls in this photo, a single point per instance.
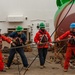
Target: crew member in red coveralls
pixel 42 38
pixel 2 37
pixel 70 44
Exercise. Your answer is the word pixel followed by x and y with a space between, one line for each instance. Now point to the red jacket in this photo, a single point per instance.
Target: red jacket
pixel 66 35
pixel 2 37
pixel 38 36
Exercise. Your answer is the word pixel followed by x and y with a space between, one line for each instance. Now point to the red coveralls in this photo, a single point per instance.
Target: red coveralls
pixel 42 48
pixel 70 48
pixel 2 37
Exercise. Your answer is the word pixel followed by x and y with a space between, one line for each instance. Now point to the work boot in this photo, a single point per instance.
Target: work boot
pixel 65 70
pixel 26 68
pixel 7 68
pixel 4 70
pixel 41 67
pixel 44 66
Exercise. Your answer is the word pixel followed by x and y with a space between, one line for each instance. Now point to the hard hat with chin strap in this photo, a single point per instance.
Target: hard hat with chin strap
pixel 72 25
pixel 19 28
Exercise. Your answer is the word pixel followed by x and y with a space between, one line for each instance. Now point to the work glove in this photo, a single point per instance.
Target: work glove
pixel 39 43
pixel 51 47
pixel 13 44
pixel 57 40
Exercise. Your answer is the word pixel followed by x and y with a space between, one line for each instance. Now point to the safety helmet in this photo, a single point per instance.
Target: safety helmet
pixel 42 25
pixel 19 28
pixel 72 25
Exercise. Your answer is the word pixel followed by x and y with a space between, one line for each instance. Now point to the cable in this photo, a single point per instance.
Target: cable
pixel 30 64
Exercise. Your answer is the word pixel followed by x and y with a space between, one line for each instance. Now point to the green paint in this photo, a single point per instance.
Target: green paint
pixel 61 4
pixel 60 10
pixel 58 2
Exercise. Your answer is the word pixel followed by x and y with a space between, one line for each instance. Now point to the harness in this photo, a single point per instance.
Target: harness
pixel 18 41
pixel 43 38
pixel 72 39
